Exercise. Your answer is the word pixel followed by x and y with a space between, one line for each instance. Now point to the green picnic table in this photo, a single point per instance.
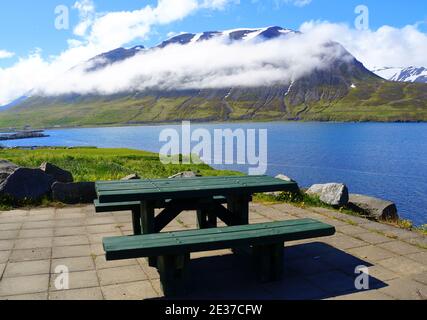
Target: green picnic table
pixel 204 194
pixel 170 251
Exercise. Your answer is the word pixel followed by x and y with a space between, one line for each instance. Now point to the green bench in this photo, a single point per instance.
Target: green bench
pixel 135 207
pixel 173 249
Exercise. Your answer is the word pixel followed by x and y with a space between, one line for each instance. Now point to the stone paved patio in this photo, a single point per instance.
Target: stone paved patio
pixel 33 243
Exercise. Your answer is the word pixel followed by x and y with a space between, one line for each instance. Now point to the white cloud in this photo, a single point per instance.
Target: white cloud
pixel 297 3
pixel 4 54
pixel 388 46
pixel 209 64
pixel 97 33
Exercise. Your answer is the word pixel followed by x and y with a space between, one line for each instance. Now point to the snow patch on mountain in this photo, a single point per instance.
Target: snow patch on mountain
pixel 410 74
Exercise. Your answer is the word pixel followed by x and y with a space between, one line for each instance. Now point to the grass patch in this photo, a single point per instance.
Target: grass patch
pixel 92 164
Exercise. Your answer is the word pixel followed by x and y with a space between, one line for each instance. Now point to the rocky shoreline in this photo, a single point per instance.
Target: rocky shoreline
pixel 23 135
pixel 20 184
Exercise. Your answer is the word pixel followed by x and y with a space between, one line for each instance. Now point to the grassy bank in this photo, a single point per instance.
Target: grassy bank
pixel 92 164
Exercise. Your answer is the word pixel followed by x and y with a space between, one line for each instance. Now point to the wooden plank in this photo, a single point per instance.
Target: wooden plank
pixel 113 207
pixel 213 239
pixel 148 225
pixel 190 183
pixel 182 193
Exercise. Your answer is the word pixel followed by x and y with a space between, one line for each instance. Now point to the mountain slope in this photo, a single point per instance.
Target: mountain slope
pixel 344 90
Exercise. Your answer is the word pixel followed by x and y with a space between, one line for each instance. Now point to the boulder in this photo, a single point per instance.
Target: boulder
pixel 186 174
pixel 27 184
pixel 6 169
pixel 74 193
pixel 132 177
pixel 374 208
pixel 284 178
pixel 281 177
pixel 334 194
pixel 57 173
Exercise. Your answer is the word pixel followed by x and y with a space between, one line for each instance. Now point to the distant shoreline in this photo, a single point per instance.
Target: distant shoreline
pixel 198 122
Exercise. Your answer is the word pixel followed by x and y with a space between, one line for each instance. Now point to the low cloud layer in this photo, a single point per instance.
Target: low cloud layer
pixel 209 64
pixel 386 47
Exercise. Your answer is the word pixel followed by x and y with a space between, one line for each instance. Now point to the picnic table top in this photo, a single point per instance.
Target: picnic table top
pixel 188 188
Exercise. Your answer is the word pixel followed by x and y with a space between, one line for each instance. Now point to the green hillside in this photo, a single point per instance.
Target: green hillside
pixel 370 100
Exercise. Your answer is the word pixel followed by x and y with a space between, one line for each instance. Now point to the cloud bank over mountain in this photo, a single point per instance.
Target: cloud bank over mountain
pixel 215 63
pixel 210 64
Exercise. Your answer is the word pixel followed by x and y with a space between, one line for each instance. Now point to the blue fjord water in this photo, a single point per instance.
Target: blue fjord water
pixel 386 160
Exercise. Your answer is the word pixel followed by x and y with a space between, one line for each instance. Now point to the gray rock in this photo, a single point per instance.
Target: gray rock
pixel 334 194
pixel 74 193
pixel 27 184
pixel 186 174
pixel 132 177
pixel 284 178
pixel 281 177
pixel 57 173
pixel 374 208
pixel 6 169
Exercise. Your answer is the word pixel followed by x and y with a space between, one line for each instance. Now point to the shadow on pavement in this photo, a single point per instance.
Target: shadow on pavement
pixel 312 271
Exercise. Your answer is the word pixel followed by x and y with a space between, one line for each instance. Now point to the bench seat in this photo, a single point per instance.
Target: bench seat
pixel 173 248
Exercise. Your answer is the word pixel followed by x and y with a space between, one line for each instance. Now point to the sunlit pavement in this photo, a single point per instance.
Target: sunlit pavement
pixel 34 244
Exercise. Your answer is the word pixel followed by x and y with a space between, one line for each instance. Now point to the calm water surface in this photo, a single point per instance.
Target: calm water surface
pixel 384 160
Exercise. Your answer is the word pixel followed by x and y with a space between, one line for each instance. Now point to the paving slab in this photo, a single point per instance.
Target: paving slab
pixel 400 247
pixel 77 294
pixel 27 297
pixel 4 256
pixel 24 285
pixel 373 238
pixel 403 265
pixel 9 235
pixel 102 263
pixel 70 241
pixel 139 290
pixel 73 264
pixel 10 226
pixel 30 254
pixel 69 231
pixel 420 257
pixel 372 253
pixel 405 289
pixel 71 251
pixel 76 280
pixel 35 243
pixel 36 233
pixel 6 244
pixel 27 268
pixel 121 275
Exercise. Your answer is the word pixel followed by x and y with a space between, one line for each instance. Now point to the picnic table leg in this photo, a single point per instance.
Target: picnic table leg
pixel 206 217
pixel 136 221
pixel 268 261
pixel 239 206
pixel 148 224
pixel 174 274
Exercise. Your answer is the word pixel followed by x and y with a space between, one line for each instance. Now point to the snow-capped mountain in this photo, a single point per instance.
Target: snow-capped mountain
pixel 411 74
pixel 258 34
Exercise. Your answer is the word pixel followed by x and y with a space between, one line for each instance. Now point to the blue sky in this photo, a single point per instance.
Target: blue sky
pixel 35 54
pixel 26 24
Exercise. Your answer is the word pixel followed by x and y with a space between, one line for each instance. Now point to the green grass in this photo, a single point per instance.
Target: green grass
pixel 369 101
pixel 92 164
